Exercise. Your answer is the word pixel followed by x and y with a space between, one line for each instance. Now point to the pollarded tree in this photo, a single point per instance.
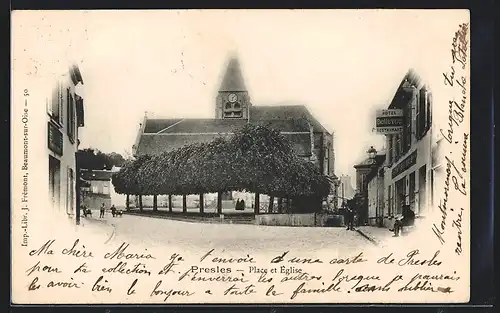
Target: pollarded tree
pixel 255 159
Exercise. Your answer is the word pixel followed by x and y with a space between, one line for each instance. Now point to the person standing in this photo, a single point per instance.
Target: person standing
pixel 113 210
pixel 349 217
pixel 101 215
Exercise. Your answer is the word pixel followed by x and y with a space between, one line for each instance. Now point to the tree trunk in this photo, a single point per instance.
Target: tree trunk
pixel 127 202
pixel 280 205
pixel 256 208
pixel 219 202
pixel 202 204
pixel 170 203
pixel 271 204
pixel 184 203
pixel 140 203
pixel 155 203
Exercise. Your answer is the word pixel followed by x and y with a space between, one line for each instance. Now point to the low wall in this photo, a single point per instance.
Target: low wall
pixel 304 220
pixel 329 220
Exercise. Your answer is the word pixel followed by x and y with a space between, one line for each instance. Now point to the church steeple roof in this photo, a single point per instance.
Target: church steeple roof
pixel 233 79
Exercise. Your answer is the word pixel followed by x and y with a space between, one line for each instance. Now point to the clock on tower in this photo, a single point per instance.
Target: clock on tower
pixel 232 100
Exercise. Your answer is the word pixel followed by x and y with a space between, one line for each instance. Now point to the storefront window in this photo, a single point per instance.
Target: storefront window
pixel 400 195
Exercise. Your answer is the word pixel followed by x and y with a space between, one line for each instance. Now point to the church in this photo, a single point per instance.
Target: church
pixel 233 109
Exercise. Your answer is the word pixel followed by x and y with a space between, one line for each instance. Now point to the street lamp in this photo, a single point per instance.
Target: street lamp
pixel 372 153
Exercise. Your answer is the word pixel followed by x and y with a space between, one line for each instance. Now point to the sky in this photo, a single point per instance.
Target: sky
pixel 343 65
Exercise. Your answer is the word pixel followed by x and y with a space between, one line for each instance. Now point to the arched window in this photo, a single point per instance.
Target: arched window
pixel 237 105
pixel 228 106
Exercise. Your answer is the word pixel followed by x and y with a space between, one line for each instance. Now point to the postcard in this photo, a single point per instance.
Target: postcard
pixel 240 156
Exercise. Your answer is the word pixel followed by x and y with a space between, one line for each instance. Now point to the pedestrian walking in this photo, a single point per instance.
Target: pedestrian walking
pixel 349 218
pixel 113 210
pixel 103 208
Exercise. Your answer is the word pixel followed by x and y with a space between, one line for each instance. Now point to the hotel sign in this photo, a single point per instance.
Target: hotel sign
pixel 407 162
pixel 389 121
pixel 55 139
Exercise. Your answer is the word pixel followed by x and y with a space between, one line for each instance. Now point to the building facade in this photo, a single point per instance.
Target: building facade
pixel 98 190
pixel 375 193
pixel 345 189
pixel 365 171
pixel 233 109
pixel 65 116
pixel 410 166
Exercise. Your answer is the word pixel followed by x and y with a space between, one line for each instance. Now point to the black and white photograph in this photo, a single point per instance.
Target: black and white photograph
pixel 240 156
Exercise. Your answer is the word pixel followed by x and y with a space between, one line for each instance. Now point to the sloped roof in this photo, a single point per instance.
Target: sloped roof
pixel 411 78
pixel 285 112
pixel 155 144
pixel 290 125
pixel 209 126
pixel 192 125
pixel 233 79
pixel 162 135
pixel 96 175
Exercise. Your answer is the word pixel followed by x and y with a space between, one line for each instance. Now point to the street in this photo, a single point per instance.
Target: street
pixel 193 236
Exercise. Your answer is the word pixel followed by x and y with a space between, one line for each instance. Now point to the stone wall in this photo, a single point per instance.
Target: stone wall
pixel 303 220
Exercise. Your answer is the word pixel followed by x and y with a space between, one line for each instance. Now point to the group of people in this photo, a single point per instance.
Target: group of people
pixel 240 205
pixel 113 209
pixel 406 219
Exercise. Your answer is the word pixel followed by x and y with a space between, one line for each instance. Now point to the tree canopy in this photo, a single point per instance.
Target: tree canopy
pixel 93 159
pixel 255 159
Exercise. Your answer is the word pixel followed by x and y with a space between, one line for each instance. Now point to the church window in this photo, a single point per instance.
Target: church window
pixel 237 105
pixel 228 106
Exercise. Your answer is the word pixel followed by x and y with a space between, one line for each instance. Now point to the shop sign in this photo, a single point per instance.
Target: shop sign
pixel 389 121
pixel 407 162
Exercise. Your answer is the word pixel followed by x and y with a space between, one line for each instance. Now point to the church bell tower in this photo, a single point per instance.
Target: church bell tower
pixel 232 100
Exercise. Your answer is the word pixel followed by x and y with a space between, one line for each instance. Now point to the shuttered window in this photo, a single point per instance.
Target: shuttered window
pixel 407 132
pixel 56 105
pixel 428 120
pixel 71 116
pixel 421 113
